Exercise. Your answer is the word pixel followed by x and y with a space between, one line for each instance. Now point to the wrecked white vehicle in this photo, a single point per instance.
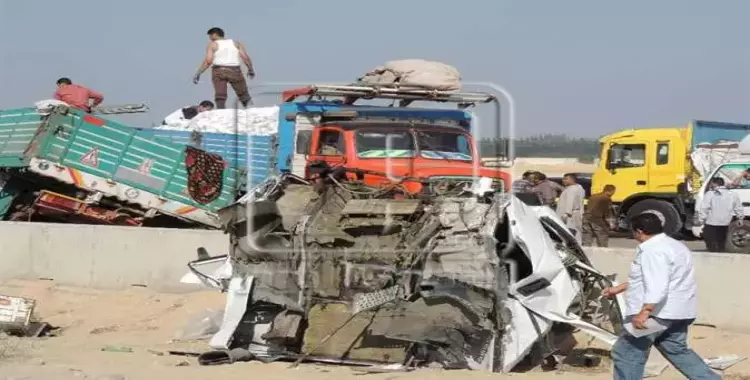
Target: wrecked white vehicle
pixel 338 272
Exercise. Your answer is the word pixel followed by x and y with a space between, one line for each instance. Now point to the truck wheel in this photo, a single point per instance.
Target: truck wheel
pixel 738 238
pixel 664 210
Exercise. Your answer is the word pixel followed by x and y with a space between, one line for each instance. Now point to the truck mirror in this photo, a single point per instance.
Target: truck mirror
pixel 608 163
pixel 304 149
pixel 303 142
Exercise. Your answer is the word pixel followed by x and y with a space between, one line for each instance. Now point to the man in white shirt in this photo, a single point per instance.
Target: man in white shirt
pixel 187 113
pixel 718 208
pixel 662 286
pixel 225 56
pixel 570 205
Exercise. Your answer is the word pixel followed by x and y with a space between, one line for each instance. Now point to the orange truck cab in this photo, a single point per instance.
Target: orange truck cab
pixel 386 145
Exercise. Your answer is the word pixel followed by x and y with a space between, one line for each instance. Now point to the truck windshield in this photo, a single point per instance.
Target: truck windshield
pixel 443 145
pixel 735 176
pixel 391 144
pixel 627 155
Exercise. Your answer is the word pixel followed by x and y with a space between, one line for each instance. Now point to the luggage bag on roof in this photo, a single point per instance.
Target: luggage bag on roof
pixel 414 73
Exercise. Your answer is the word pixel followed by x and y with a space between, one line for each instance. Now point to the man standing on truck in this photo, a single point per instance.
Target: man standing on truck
pixel 597 218
pixel 225 57
pixel 570 205
pixel 718 208
pixel 188 113
pixel 77 96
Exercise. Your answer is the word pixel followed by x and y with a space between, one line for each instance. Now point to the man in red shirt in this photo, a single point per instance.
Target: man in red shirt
pixel 77 96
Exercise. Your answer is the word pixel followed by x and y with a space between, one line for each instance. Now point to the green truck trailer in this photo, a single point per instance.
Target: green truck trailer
pixel 69 164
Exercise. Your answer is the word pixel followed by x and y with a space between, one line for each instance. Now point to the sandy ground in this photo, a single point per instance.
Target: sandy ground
pixel 551 169
pixel 544 165
pixel 146 323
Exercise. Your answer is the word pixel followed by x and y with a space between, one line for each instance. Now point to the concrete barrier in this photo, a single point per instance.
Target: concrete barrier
pixel 722 300
pixel 103 256
pixel 119 257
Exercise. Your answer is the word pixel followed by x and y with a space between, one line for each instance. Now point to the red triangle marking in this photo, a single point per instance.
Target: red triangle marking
pixel 91 158
pixel 146 165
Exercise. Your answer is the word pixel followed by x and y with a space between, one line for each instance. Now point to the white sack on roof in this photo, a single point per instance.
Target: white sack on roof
pixel 415 74
pixel 45 106
pixel 259 121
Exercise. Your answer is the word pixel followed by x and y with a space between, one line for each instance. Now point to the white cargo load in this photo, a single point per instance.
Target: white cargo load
pixel 256 121
pixel 707 157
pixel 414 74
pixel 45 106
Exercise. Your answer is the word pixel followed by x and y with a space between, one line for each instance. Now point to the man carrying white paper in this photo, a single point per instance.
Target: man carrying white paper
pixel 661 297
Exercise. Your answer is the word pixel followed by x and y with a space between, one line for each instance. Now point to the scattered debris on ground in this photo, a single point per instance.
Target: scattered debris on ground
pixel 17 318
pixel 147 323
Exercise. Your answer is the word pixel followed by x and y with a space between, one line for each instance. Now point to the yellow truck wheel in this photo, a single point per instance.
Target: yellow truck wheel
pixel 665 210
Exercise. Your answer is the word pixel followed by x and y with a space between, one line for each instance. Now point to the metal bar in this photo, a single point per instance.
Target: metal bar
pixel 397 93
pixel 121 109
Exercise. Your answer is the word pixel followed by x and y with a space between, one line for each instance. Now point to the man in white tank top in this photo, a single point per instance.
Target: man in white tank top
pixel 225 57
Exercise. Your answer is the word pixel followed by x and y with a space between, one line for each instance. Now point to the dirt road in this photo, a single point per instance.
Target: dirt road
pixel 144 323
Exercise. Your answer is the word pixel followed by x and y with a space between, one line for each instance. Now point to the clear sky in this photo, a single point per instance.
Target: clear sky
pixel 579 67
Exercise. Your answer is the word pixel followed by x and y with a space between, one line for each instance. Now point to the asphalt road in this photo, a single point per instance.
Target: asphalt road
pixel 623 242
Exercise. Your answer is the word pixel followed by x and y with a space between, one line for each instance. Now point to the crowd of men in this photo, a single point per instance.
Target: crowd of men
pixel 661 286
pixel 592 223
pixel 588 224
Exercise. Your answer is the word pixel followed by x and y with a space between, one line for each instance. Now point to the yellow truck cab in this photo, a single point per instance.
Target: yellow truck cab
pixel 653 171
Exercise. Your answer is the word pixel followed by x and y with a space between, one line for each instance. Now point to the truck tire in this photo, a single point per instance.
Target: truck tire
pixel 738 238
pixel 664 210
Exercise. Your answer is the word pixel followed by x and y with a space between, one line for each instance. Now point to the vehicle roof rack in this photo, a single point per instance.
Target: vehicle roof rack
pixel 352 93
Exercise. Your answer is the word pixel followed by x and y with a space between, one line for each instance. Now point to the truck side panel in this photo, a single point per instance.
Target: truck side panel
pixel 17 129
pixel 219 143
pixel 254 154
pixel 96 151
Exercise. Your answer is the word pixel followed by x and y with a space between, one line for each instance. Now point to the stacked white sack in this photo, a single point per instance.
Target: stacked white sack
pixel 258 121
pixel 45 106
pixel 706 157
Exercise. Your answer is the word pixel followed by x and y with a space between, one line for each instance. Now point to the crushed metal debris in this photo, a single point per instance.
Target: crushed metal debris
pixel 337 272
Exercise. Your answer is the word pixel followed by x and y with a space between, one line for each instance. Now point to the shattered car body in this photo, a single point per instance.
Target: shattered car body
pixel 340 272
